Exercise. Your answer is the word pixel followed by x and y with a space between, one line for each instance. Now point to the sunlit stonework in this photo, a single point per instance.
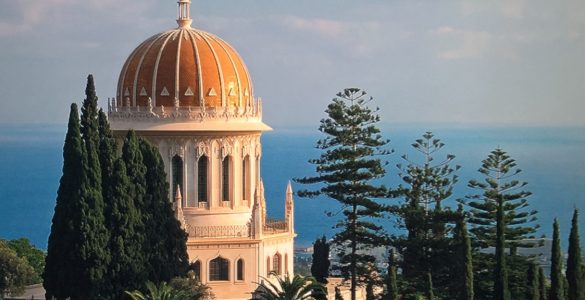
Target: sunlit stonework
pixel 189 93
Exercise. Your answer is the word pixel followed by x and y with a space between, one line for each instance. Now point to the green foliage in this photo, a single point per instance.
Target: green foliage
pixel 428 183
pixel 542 284
pixel 346 170
pixel 391 286
pixel 501 291
pixel 557 280
pixel 464 261
pixel 162 291
pixel 126 268
pixel 575 269
pixel 288 288
pixel 15 271
pixel 165 240
pixel 499 186
pixel 320 264
pixel 34 257
pixel 338 295
pixel 194 289
pixel 59 267
pixel 429 293
pixel 532 283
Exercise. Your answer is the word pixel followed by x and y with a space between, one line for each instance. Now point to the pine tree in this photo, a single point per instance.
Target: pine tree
pixel 501 291
pixel 542 284
pixel 346 169
pixel 428 184
pixel 320 264
pixel 126 269
pixel 575 269
pixel 557 279
pixel 166 240
pixel 499 186
pixel 58 268
pixel 532 283
pixel 464 260
pixel 391 286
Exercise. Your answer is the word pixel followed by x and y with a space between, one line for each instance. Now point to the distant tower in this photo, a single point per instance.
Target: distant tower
pixel 190 93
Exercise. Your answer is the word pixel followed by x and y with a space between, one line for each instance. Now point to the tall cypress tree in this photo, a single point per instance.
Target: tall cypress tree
pixel 542 284
pixel 166 240
pixel 532 283
pixel 346 169
pixel 126 269
pixel 575 272
pixel 391 286
pixel 320 264
pixel 464 260
pixel 557 279
pixel 93 250
pixel 107 156
pixel 59 271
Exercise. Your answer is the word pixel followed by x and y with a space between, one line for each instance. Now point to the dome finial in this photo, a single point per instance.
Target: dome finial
pixel 184 19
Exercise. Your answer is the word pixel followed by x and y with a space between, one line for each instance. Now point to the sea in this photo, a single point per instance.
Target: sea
pixel 552 160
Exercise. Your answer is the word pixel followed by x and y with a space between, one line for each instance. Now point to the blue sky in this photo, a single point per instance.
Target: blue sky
pixel 461 63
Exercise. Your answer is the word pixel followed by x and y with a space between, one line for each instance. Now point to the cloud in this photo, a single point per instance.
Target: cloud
pixel 324 27
pixel 513 8
pixel 472 44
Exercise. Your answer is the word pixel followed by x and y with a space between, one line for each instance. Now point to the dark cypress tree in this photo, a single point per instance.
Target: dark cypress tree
pixel 126 269
pixel 428 183
pixel 542 284
pixel 429 288
pixel 391 286
pixel 346 169
pixel 166 240
pixel 94 235
pixel 532 283
pixel 575 268
pixel 464 260
pixel 320 264
pixel 557 279
pixel 107 156
pixel 501 291
pixel 59 271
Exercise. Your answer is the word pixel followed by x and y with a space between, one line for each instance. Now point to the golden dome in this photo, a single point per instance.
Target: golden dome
pixel 191 65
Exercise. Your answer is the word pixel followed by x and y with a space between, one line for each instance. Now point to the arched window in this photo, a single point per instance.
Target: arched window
pixel 219 269
pixel 246 178
pixel 202 164
pixel 240 269
pixel 276 264
pixel 177 175
pixel 196 269
pixel 225 179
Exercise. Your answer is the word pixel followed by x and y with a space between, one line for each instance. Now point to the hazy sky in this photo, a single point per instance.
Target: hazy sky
pixel 455 62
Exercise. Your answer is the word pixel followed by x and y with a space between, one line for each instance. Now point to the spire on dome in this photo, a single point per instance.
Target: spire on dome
pixel 184 19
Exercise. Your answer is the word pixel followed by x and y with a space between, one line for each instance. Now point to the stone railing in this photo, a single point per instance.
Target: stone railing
pixel 225 231
pixel 184 113
pixel 273 226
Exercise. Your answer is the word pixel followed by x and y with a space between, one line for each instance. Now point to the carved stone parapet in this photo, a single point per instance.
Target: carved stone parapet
pixel 184 113
pixel 226 231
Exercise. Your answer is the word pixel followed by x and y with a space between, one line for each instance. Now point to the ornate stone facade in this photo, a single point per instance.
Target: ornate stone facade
pixel 209 138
